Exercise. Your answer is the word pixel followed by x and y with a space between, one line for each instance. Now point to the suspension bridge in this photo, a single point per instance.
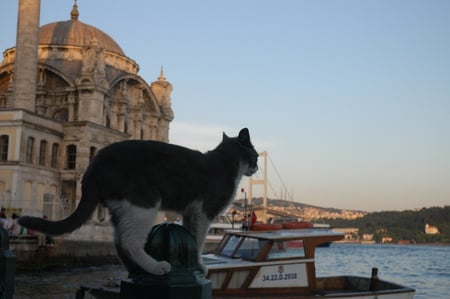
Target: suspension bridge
pixel 261 178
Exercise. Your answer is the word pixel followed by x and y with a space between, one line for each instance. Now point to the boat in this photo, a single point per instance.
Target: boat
pixel 280 263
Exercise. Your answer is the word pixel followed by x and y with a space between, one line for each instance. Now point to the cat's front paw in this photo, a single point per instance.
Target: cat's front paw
pixel 203 268
pixel 162 268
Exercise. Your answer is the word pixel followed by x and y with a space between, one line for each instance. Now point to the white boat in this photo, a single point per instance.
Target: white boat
pixel 281 264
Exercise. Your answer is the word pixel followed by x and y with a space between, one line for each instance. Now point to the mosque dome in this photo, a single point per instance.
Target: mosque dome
pixel 76 33
pixel 64 46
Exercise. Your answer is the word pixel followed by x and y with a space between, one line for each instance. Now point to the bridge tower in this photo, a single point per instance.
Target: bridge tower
pixel 263 182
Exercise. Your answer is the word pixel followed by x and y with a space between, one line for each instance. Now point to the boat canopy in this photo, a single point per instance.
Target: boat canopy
pixel 274 245
pixel 291 234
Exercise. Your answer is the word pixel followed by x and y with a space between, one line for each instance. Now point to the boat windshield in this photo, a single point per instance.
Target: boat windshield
pixel 249 248
pixel 287 249
pixel 231 246
pixel 242 247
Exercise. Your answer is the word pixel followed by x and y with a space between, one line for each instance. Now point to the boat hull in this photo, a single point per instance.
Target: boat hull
pixel 342 287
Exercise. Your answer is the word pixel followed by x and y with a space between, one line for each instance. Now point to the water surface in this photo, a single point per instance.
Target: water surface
pixel 424 268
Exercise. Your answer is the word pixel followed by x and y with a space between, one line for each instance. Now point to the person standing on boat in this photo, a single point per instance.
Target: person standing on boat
pixel 249 220
pixel 245 224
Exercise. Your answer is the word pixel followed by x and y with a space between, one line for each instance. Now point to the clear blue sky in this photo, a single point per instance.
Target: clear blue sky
pixel 351 99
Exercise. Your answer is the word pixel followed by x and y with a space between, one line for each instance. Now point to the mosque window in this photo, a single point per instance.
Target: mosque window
pixel 71 156
pixel 55 151
pixel 29 150
pixel 92 152
pixel 43 153
pixel 4 146
pixel 62 115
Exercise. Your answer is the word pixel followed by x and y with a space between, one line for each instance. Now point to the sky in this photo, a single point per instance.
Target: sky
pixel 350 99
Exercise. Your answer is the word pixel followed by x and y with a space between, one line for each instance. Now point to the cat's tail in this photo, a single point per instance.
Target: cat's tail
pixel 83 212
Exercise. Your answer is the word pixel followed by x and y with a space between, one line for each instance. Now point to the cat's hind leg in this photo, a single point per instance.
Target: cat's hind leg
pixel 195 220
pixel 133 224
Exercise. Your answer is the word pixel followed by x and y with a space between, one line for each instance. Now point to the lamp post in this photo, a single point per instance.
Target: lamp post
pixel 233 214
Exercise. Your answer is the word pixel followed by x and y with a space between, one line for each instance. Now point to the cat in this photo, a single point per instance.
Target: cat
pixel 134 179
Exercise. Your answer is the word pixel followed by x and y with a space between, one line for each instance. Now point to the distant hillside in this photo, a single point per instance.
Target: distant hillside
pixel 258 201
pixel 309 212
pixel 404 225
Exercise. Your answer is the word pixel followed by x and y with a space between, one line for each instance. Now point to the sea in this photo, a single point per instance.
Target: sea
pixel 426 268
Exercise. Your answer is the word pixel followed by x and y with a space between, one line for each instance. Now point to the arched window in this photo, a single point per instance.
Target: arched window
pixel 43 153
pixel 55 153
pixel 71 156
pixel 92 152
pixel 4 146
pixel 29 150
pixel 62 115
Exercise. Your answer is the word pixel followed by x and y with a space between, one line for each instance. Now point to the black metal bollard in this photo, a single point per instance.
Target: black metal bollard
pixel 175 244
pixel 7 267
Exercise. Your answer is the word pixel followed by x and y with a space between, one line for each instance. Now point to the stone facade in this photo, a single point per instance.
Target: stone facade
pixel 87 95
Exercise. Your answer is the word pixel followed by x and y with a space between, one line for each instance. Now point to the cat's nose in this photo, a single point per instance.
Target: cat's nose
pixel 252 170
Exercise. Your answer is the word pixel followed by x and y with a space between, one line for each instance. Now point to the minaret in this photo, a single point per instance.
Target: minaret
pixel 162 90
pixel 25 66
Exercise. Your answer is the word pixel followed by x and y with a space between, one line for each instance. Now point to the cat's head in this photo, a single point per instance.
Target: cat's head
pixel 247 153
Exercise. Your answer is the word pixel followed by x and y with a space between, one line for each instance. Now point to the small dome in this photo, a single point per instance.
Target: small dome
pixel 76 33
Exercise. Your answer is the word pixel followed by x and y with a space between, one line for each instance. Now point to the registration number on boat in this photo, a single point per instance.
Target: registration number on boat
pixel 276 276
pixel 280 276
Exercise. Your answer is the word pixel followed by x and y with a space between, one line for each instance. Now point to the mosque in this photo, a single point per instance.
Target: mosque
pixel 67 89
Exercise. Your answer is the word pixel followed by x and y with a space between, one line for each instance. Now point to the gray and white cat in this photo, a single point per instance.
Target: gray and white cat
pixel 134 179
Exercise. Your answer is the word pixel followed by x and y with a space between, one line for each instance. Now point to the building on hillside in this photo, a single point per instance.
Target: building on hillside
pixel 367 237
pixel 385 240
pixel 351 234
pixel 431 230
pixel 66 90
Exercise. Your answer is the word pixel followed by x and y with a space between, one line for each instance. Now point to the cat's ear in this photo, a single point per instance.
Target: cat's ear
pixel 224 136
pixel 244 136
